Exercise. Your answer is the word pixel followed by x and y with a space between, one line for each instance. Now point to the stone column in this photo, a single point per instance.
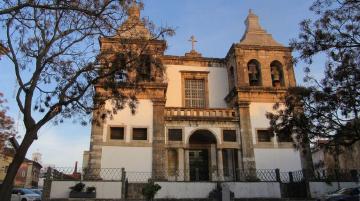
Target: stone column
pixel 187 166
pixel 248 157
pixel 240 165
pixel 158 143
pixel 181 164
pixel 213 171
pixel 220 165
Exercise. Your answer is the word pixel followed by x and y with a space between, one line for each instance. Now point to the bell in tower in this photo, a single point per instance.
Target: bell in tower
pixel 276 74
pixel 254 73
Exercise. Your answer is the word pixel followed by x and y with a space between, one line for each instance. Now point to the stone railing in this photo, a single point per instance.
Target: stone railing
pixel 208 114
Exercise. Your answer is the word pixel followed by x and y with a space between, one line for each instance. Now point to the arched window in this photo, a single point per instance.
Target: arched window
pixel 231 78
pixel 277 75
pixel 254 73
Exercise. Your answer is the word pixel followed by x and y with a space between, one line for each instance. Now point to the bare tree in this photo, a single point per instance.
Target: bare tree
pixel 53 47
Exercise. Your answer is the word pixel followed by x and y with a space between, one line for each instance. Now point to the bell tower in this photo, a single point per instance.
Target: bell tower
pixel 259 70
pixel 141 51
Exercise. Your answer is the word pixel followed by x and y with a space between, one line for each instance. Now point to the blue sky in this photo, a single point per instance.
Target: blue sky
pixel 216 24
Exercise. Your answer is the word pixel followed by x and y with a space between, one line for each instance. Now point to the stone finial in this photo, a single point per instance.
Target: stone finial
pixel 255 34
pixel 134 10
pixel 134 27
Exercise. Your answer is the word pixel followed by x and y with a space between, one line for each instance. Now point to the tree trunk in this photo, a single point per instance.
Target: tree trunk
pixel 7 185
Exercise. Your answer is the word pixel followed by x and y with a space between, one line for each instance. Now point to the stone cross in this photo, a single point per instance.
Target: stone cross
pixel 193 41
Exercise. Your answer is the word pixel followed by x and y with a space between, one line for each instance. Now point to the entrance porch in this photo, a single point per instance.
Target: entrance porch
pixel 202 159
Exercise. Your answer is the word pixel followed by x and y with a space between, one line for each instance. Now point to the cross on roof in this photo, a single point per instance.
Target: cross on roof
pixel 193 41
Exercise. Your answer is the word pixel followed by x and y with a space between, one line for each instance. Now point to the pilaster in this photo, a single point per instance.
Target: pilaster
pixel 94 163
pixel 181 164
pixel 213 166
pixel 158 144
pixel 248 156
pixel 220 165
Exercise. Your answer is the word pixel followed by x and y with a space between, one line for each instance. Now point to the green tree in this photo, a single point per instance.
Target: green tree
pixel 327 108
pixel 52 45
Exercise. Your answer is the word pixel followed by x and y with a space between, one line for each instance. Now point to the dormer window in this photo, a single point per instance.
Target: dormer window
pixel 254 73
pixel 277 75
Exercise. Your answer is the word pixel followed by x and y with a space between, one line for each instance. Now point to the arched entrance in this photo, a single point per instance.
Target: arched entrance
pixel 202 147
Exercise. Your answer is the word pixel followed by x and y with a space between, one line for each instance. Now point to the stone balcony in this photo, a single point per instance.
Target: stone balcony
pixel 200 114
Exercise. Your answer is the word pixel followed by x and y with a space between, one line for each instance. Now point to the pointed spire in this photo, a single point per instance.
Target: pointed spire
pixel 255 34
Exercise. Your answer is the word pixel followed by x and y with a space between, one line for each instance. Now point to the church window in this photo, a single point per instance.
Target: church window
pixel 175 134
pixel 232 78
pixel 254 73
pixel 284 138
pixel 120 76
pixel 195 93
pixel 195 89
pixel 117 133
pixel 139 134
pixel 144 68
pixel 264 135
pixel 277 75
pixel 229 135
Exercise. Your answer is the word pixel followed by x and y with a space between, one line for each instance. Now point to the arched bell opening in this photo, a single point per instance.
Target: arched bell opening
pixel 277 74
pixel 254 71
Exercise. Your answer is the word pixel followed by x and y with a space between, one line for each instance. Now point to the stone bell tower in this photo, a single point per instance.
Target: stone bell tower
pixel 259 70
pixel 133 38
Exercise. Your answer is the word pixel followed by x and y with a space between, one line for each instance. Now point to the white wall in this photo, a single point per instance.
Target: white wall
pixel 318 189
pixel 142 118
pixel 217 79
pixel 104 190
pixel 255 189
pixel 192 190
pixel 284 159
pixel 133 159
pixel 177 190
pixel 258 118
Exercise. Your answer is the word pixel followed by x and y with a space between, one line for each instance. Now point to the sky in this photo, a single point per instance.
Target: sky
pixel 216 24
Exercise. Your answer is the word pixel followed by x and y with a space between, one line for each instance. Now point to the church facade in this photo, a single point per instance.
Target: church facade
pixel 203 118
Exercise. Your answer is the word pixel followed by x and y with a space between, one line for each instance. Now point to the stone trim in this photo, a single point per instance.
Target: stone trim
pixel 167 141
pixel 139 141
pixel 256 94
pixel 227 142
pixel 193 61
pixel 108 133
pixel 270 144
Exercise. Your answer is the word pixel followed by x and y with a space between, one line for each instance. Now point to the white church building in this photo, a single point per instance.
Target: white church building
pixel 203 118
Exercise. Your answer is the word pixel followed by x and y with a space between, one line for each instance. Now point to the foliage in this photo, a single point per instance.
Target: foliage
pixel 216 193
pixel 79 187
pixel 90 189
pixel 150 189
pixel 53 46
pixel 6 124
pixel 326 109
